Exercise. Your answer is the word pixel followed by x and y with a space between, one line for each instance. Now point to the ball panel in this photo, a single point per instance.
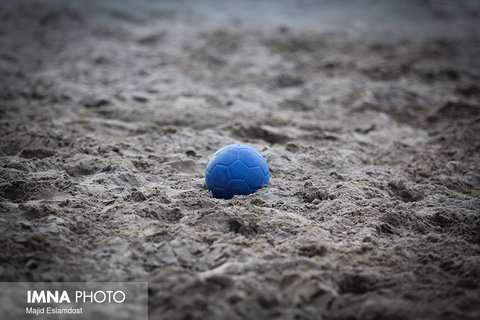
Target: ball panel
pixel 228 156
pixel 212 163
pixel 266 179
pixel 220 150
pixel 244 147
pixel 237 187
pixel 248 157
pixel 220 176
pixel 237 170
pixel 208 180
pixel 263 165
pixel 219 193
pixel 254 178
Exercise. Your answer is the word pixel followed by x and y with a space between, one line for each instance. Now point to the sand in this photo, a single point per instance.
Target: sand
pixel 367 113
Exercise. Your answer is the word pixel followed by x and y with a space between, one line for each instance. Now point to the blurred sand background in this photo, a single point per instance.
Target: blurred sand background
pixel 367 112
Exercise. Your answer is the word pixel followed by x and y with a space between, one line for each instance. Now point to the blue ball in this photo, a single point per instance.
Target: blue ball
pixel 236 169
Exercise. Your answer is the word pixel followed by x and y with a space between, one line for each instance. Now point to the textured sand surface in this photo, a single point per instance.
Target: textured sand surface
pixel 367 113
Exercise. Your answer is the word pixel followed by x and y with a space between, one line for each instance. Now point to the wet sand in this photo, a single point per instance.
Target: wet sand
pixel 368 116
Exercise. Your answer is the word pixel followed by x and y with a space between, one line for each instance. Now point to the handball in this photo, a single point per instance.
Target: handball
pixel 236 169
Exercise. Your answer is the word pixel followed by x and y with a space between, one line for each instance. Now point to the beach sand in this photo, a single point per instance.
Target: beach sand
pixel 367 113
